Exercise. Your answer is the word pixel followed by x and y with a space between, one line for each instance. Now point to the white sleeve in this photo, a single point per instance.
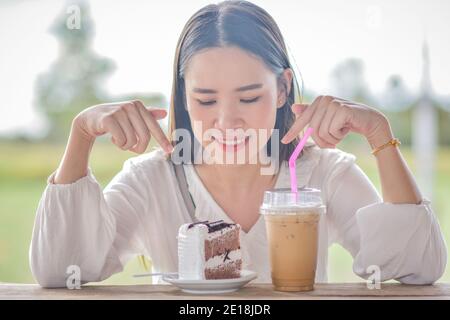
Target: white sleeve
pixel 79 225
pixel 403 240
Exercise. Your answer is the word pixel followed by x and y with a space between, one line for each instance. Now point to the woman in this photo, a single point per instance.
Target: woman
pixel 232 74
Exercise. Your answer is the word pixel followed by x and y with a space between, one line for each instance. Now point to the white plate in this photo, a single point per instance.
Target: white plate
pixel 211 286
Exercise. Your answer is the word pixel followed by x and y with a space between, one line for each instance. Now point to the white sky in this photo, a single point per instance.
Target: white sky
pixel 386 35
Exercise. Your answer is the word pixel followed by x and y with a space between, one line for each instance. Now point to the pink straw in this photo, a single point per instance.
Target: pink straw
pixel 294 156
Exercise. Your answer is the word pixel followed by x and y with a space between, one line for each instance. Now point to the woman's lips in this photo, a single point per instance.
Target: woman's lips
pixel 232 145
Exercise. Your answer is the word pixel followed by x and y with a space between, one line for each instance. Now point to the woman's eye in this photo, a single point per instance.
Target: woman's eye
pixel 206 103
pixel 250 100
pixel 211 102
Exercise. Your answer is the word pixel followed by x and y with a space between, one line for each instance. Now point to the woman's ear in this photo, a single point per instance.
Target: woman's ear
pixel 284 86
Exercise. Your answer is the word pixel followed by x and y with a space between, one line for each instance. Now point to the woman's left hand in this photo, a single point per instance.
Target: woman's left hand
pixel 333 118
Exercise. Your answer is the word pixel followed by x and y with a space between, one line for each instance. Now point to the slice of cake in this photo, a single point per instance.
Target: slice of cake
pixel 209 250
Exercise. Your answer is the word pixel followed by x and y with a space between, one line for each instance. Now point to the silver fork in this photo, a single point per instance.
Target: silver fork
pixel 155 274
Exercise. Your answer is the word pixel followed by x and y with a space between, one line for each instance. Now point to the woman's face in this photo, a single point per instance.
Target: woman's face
pixel 231 94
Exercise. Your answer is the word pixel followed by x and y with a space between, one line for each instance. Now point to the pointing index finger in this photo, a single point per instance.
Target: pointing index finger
pixel 155 129
pixel 300 123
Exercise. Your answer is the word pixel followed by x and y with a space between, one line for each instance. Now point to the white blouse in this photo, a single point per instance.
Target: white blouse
pixel 141 209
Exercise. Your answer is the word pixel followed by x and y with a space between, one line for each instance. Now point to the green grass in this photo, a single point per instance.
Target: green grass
pixel 340 261
pixel 24 169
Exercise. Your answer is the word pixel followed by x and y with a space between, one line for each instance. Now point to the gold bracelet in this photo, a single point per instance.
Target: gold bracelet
pixel 393 142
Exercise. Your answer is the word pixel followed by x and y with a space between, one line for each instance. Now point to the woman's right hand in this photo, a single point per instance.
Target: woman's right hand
pixel 130 124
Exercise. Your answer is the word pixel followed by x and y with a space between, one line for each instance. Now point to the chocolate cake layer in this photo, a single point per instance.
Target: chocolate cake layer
pixel 229 241
pixel 228 270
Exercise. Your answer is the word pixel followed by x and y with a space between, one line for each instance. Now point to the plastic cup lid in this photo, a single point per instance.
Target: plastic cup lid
pixel 302 201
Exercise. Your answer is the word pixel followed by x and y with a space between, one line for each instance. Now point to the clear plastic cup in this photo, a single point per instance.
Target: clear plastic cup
pixel 292 232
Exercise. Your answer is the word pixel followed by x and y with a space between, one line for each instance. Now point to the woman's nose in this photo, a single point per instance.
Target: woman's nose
pixel 228 118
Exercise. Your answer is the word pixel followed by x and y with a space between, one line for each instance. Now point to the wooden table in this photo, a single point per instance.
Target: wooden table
pixel 251 291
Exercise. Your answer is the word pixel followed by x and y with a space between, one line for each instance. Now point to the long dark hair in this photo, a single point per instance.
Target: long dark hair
pixel 240 24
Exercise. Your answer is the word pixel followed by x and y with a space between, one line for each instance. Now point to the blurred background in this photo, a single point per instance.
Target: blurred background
pixel 59 57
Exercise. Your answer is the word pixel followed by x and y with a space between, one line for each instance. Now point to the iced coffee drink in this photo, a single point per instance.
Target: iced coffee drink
pixel 292 232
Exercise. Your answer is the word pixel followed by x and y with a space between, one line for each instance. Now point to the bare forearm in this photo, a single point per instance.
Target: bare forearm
pixel 397 182
pixel 74 164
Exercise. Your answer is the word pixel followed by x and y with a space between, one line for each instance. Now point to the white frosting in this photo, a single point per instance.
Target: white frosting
pixel 191 251
pixel 218 260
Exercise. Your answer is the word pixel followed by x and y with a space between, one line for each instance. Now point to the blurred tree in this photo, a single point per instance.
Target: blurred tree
pixel 397 102
pixel 348 81
pixel 444 127
pixel 74 81
pixel 396 96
